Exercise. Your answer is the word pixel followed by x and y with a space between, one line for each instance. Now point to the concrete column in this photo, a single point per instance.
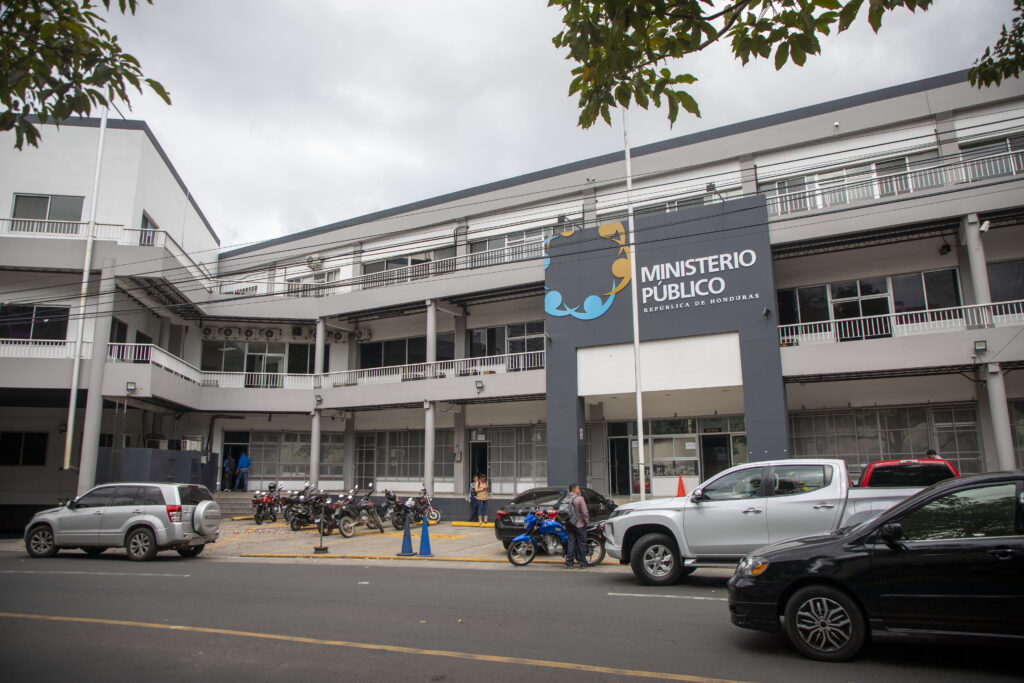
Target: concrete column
pixel 164 338
pixel 94 399
pixel 461 338
pixel 748 175
pixel 431 331
pixel 590 207
pixel 996 387
pixel 349 467
pixel 314 430
pixel 428 446
pixel 461 237
pixel 971 237
pixel 461 447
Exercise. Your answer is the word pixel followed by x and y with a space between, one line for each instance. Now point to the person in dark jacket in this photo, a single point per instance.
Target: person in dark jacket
pixel 577 530
pixel 229 473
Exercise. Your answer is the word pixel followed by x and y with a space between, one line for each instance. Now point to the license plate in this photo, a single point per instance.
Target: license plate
pixel 518 519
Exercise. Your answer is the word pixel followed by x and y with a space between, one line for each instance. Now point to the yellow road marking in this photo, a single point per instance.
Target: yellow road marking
pixel 453 654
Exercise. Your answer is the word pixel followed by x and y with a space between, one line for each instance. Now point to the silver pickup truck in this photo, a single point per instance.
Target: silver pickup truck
pixel 742 508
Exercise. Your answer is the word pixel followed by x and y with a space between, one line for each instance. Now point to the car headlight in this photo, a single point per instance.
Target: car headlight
pixel 752 566
pixel 618 512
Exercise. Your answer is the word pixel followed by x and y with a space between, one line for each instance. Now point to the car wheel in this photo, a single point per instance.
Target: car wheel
pixel 191 550
pixel 506 544
pixel 824 623
pixel 140 544
pixel 40 543
pixel 94 550
pixel 655 561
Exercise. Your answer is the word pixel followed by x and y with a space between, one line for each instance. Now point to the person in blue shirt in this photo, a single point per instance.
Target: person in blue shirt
pixel 242 477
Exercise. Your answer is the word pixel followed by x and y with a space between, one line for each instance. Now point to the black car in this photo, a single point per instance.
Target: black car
pixel 508 522
pixel 947 563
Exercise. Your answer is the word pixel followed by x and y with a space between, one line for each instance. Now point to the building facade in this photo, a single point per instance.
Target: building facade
pixel 844 280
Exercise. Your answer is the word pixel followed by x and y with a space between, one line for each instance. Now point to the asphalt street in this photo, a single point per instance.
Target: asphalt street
pixel 73 617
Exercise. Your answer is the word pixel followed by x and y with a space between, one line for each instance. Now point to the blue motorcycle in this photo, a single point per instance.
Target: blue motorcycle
pixel 545 532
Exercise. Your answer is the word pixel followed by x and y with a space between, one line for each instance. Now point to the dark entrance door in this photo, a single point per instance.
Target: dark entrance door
pixel 714 454
pixel 618 453
pixel 477 460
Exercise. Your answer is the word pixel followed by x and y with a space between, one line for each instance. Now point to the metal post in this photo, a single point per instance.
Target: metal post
pixel 636 310
pixel 86 267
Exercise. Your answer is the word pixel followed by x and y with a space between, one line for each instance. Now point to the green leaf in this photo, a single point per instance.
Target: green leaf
pixel 781 55
pixel 849 13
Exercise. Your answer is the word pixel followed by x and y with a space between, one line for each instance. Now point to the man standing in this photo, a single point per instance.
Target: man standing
pixel 576 529
pixel 242 478
pixel 229 473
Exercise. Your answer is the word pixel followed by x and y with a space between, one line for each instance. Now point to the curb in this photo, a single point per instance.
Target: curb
pixel 390 557
pixel 482 525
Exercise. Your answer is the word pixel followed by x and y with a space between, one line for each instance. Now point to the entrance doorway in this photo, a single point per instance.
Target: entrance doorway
pixel 618 453
pixel 714 454
pixel 235 443
pixel 478 460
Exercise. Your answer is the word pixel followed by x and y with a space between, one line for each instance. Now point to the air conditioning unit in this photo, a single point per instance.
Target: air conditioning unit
pixel 249 333
pixel 231 332
pixel 338 336
pixel 209 332
pixel 298 331
pixel 363 335
pixel 270 334
pixel 315 262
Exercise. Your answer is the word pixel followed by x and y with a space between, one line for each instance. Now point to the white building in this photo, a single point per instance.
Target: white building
pixel 412 345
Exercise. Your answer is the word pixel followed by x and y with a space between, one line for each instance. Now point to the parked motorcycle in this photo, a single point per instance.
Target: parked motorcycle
pixel 368 512
pixel 265 504
pixel 393 510
pixel 545 532
pixel 416 508
pixel 335 514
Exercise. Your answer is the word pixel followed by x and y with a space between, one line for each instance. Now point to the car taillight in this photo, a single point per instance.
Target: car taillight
pixel 502 514
pixel 174 513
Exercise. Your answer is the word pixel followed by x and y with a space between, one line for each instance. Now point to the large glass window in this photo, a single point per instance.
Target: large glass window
pixel 23 448
pixel 1006 280
pixel 47 213
pixel 33 322
pixel 737 485
pixel 392 352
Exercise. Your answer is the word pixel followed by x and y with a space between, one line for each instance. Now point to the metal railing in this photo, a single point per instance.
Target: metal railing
pixel 33 227
pixel 876 185
pixel 42 348
pixel 903 324
pixel 464 367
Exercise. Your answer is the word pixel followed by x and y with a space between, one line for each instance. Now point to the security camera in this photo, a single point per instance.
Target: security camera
pixel 984 226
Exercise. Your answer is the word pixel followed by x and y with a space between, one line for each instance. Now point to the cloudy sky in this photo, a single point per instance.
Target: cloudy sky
pixel 291 115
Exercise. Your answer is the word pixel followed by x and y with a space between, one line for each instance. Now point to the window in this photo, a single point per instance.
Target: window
pixel 737 485
pixel 993 158
pixel 147 231
pixel 406 351
pixel 23 448
pixel 861 299
pixel 1006 280
pixel 406 266
pixel 984 512
pixel 222 356
pixel 315 284
pixel 95 498
pixel 302 358
pixel 788 480
pixel 33 322
pixel 47 213
pixel 118 331
pixel 502 339
pixel 124 495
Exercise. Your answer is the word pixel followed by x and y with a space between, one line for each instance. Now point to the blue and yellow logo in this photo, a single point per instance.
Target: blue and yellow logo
pixel 594 305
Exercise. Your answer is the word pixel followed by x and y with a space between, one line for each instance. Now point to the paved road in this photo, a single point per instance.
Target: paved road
pixel 77 618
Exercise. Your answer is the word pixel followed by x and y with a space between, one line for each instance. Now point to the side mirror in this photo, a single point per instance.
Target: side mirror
pixel 697 496
pixel 71 504
pixel 891 533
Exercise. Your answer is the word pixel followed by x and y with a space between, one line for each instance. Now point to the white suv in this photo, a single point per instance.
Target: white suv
pixel 141 517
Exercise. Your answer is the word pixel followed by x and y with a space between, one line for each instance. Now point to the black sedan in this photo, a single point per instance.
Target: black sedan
pixel 947 563
pixel 508 523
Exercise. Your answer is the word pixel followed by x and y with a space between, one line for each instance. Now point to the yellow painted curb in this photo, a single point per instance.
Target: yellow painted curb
pixel 489 525
pixel 390 557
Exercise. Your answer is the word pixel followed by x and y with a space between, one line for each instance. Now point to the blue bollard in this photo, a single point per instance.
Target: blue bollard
pixel 406 541
pixel 425 539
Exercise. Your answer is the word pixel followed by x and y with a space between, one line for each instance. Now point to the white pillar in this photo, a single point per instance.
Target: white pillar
pixel 314 428
pixel 431 331
pixel 94 399
pixel 428 446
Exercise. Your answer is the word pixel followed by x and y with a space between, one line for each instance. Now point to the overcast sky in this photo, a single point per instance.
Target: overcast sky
pixel 291 115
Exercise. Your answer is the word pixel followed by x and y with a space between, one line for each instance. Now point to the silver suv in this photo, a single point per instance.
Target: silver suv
pixel 141 517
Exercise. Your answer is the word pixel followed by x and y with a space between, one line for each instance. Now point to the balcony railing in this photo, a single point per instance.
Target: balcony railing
pixel 384 278
pixel 489 365
pixel 831 192
pixel 465 367
pixel 42 348
pixel 903 324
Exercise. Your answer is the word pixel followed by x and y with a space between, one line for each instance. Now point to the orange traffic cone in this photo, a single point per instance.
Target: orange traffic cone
pixel 681 491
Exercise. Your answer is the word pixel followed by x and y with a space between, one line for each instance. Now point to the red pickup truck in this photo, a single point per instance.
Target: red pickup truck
pixel 907 472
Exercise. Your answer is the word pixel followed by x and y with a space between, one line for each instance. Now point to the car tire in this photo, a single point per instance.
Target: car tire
pixel 655 560
pixel 140 544
pixel 506 544
pixel 39 542
pixel 824 623
pixel 93 550
pixel 191 550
